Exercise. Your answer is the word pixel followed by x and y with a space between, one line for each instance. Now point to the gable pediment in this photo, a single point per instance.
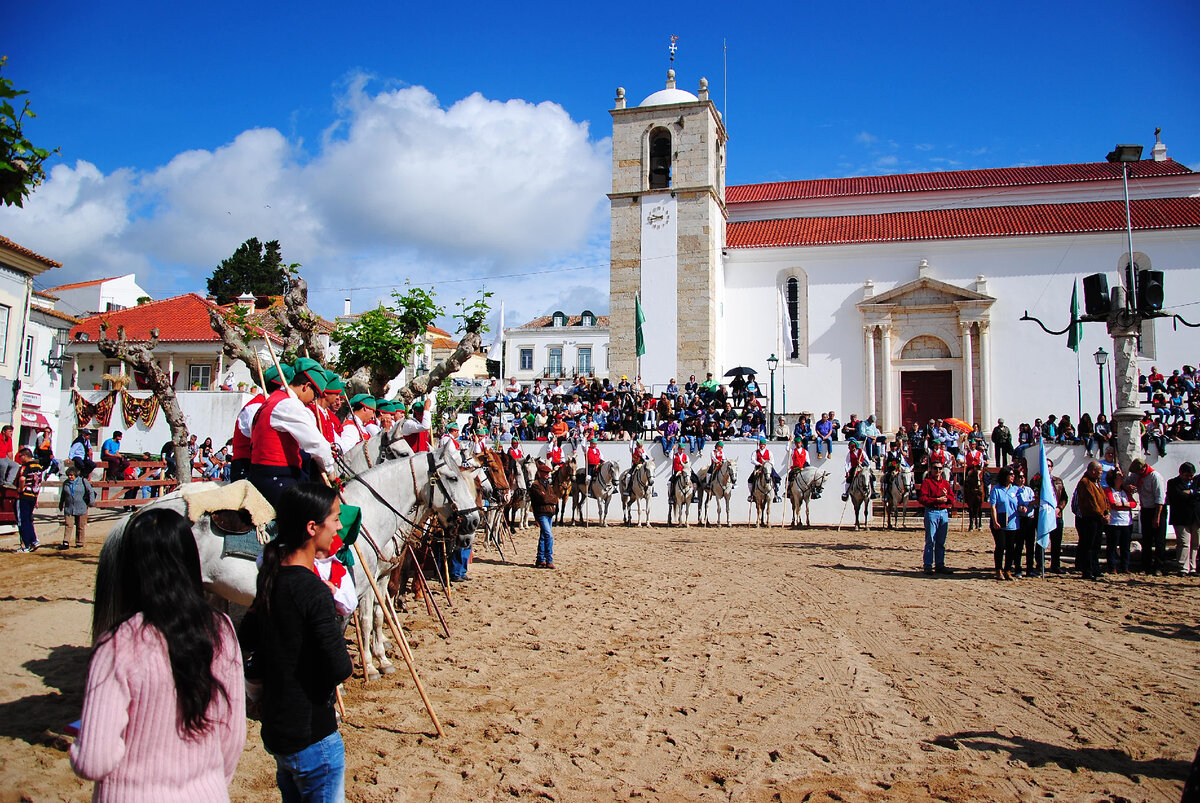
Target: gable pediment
pixel 927 292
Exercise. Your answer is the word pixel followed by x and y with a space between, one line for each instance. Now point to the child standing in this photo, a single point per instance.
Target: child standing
pixel 29 483
pixel 73 502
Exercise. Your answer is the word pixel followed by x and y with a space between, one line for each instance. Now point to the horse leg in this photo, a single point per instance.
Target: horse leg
pixel 379 644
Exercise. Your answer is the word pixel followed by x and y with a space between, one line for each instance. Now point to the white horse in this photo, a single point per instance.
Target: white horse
pixel 522 476
pixel 803 486
pixel 760 494
pixel 860 494
pixel 601 487
pixel 718 486
pixel 637 486
pixel 679 505
pixel 368 453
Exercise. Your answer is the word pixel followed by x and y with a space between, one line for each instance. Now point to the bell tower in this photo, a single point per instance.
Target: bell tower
pixel 668 229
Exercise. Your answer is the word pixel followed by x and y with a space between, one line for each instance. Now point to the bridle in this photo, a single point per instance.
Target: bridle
pixel 436 482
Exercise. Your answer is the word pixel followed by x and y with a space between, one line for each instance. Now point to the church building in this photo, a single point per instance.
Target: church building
pixel 898 295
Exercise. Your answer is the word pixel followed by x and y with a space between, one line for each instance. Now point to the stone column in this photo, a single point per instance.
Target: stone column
pixel 968 375
pixel 1125 377
pixel 884 414
pixel 985 379
pixel 869 362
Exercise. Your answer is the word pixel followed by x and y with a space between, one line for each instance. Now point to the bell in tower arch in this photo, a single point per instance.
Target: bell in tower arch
pixel 660 159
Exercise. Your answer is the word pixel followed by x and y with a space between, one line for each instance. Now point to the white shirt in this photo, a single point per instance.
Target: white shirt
pixel 345 598
pixel 294 418
pixel 1120 518
pixel 245 419
pixel 411 426
pixel 349 438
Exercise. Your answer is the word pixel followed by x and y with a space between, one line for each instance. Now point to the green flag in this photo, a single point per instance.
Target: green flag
pixel 1076 333
pixel 639 318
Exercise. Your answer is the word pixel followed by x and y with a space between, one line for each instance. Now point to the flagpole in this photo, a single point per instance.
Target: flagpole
pixel 501 333
pixel 1078 389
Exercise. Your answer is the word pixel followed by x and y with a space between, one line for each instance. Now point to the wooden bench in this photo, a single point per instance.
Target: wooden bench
pixel 112 491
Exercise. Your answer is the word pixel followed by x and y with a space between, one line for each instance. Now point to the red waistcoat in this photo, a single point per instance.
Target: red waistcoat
pixel 270 447
pixel 241 443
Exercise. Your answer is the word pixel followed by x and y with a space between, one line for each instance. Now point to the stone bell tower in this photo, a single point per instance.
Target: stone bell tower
pixel 668 229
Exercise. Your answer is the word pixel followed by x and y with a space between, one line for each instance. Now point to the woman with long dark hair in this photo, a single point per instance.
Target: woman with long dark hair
pixel 164 713
pixel 296 649
pixel 1005 520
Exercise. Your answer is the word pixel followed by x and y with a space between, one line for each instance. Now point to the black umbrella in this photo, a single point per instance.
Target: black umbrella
pixel 740 370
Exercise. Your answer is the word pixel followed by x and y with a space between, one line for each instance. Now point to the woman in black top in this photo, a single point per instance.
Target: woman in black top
pixel 295 649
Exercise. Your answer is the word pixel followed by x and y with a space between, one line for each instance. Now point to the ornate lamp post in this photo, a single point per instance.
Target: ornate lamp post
pixel 1101 357
pixel 772 364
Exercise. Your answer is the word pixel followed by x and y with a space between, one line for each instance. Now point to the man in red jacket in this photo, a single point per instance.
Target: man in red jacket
pixel 937 497
pixel 284 431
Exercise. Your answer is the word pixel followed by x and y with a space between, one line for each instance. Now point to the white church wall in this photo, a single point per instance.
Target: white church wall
pixel 1032 374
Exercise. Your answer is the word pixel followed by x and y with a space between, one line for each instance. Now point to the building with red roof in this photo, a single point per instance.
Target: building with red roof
pixel 893 295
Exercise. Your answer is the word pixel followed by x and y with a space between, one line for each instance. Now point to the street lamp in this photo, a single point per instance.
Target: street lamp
pixel 1101 358
pixel 1123 155
pixel 772 364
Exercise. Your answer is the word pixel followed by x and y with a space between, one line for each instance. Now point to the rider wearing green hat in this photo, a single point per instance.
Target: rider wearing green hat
pixel 284 431
pixel 857 460
pixel 762 461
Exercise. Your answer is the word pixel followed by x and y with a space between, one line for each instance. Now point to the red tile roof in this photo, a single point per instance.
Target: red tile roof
pixel 948 180
pixel 20 249
pixel 45 295
pixel 53 313
pixel 544 321
pixel 182 319
pixel 261 314
pixel 946 224
pixel 433 330
pixel 77 285
pixel 443 344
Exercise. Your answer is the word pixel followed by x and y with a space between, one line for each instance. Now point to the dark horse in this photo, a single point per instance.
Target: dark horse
pixel 973 497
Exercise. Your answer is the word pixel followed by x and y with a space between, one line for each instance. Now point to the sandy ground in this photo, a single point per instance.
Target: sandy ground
pixel 705 664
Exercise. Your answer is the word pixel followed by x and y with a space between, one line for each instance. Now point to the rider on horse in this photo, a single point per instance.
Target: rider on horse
pixel 594 458
pixel 762 461
pixel 415 428
pixel 856 460
pixel 893 462
pixel 799 461
pixel 976 457
pixel 679 464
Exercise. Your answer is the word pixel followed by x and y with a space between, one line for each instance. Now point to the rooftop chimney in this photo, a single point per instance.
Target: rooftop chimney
pixel 346 307
pixel 245 302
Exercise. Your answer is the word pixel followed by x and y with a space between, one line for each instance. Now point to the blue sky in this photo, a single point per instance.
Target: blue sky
pixel 466 144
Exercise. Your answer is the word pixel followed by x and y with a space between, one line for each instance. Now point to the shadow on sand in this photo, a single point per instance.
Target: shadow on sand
pixel 37 718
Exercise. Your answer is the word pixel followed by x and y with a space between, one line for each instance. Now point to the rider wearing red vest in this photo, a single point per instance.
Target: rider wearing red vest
pixel 284 429
pixel 554 453
pixel 799 455
pixel 450 438
pixel 974 456
pixel 363 408
pixel 718 456
pixel 594 458
pixel 856 460
pixel 762 459
pixel 239 467
pixel 515 452
pixel 415 428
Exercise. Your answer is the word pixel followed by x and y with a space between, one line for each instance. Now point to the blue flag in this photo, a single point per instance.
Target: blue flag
pixel 1047 518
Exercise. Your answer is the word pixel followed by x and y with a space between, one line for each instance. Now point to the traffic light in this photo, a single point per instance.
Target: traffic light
pixel 1150 291
pixel 1095 294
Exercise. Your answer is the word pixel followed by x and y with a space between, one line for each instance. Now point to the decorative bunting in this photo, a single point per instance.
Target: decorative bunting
pixel 133 409
pixel 85 410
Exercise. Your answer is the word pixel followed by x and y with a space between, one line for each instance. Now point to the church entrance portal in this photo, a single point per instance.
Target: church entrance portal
pixel 925 395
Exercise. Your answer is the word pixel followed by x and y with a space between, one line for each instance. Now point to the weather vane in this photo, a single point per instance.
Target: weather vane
pixel 673 48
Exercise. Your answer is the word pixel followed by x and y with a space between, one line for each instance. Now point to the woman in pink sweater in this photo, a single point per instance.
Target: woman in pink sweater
pixel 164 714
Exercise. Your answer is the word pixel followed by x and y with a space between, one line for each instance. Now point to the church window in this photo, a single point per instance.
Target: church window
pixel 793 315
pixel 660 159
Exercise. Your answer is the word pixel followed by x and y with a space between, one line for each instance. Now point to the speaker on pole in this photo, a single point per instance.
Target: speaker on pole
pixel 1095 294
pixel 1150 292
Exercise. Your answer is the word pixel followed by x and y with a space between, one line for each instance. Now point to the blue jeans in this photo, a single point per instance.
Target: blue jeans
pixel 25 521
pixel 458 563
pixel 317 773
pixel 828 441
pixel 545 549
pixel 937 524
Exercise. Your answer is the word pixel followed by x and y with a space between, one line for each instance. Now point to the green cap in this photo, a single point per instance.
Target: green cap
pixel 310 370
pixel 452 425
pixel 398 407
pixel 333 382
pixel 365 399
pixel 271 375
pixel 762 440
pixel 853 442
pixel 720 444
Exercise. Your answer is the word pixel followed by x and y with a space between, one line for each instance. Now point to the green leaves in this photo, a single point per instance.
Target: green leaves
pixel 21 162
pixel 254 268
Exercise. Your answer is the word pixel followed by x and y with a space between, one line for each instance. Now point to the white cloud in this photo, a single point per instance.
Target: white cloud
pixel 923 146
pixel 865 138
pixel 400 186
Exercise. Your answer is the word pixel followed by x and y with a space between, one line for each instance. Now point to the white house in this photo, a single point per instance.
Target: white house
pixel 18 268
pixel 895 295
pixel 81 299
pixel 42 368
pixel 557 345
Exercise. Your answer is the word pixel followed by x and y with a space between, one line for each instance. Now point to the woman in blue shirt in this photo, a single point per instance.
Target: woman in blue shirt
pixel 1026 525
pixel 1005 519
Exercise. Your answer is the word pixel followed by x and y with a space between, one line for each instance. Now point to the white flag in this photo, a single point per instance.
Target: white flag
pixel 496 352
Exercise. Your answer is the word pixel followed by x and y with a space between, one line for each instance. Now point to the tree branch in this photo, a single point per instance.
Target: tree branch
pixel 423 384
pixel 233 341
pixel 140 357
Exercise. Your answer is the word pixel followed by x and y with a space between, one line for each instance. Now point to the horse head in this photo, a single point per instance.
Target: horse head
pixel 452 495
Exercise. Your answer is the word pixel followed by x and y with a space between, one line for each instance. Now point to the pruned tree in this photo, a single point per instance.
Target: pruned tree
pixel 140 357
pixel 22 164
pixel 253 268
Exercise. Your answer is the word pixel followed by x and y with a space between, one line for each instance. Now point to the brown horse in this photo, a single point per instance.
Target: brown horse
pixel 562 479
pixel 973 497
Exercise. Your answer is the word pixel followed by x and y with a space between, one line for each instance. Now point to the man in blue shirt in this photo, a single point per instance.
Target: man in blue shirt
pixel 110 452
